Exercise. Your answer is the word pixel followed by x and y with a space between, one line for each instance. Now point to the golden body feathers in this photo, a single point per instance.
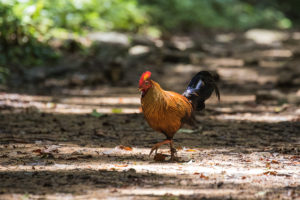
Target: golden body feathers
pixel 165 111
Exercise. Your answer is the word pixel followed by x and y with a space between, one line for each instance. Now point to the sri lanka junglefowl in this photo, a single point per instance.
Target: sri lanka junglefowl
pixel 167 111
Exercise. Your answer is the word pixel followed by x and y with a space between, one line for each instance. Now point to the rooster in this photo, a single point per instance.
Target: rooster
pixel 167 111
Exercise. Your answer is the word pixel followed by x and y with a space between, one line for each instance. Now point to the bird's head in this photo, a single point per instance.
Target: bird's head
pixel 145 82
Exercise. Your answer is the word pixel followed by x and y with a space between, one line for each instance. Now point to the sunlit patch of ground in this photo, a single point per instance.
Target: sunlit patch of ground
pixel 71 156
pixel 79 105
pixel 219 168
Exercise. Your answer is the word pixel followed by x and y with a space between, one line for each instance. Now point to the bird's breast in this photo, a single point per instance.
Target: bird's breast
pixel 165 116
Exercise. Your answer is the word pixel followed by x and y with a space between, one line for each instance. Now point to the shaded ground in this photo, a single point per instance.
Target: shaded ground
pixel 246 147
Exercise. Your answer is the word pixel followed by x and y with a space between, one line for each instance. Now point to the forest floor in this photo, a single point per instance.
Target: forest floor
pixel 91 142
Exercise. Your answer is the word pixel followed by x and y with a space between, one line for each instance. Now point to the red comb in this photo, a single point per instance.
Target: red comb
pixel 146 75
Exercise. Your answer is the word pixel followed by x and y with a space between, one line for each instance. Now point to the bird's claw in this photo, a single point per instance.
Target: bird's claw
pixel 153 148
pixel 156 146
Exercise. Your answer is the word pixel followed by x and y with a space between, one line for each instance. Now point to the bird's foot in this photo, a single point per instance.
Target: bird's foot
pixel 174 157
pixel 156 146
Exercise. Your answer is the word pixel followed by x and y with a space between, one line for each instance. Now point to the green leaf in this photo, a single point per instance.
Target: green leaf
pixel 116 110
pixel 97 114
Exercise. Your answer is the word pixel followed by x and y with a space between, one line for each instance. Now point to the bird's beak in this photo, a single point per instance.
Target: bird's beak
pixel 140 89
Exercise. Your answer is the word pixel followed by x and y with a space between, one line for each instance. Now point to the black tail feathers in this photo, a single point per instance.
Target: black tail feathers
pixel 200 89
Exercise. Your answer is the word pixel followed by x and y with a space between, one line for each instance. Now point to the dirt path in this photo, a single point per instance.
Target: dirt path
pixel 54 146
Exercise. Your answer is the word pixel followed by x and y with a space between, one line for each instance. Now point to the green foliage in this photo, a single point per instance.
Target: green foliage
pixel 26 26
pixel 224 14
pixel 78 15
pixel 18 45
pixel 4 72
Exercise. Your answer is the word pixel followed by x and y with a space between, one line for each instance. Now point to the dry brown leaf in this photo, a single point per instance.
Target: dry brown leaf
pixel 160 157
pixel 121 165
pixel 113 190
pixel 179 148
pixel 190 150
pixel 275 162
pixel 273 173
pixel 125 148
pixel 39 151
pixel 203 176
pixel 268 165
pixel 244 177
pixel 295 158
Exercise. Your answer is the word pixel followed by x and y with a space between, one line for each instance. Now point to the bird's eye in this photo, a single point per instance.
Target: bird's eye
pixel 146 83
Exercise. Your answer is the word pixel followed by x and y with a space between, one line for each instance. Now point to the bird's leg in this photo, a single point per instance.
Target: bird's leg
pixel 156 146
pixel 173 152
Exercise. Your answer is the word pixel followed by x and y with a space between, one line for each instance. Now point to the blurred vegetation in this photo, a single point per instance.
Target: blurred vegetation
pixel 220 14
pixel 19 44
pixel 26 26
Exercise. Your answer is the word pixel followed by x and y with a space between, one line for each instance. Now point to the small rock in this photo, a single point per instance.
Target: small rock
pixel 139 49
pixel 111 37
pixel 263 36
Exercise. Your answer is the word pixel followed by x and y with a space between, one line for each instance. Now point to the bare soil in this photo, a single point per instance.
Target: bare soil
pixel 54 146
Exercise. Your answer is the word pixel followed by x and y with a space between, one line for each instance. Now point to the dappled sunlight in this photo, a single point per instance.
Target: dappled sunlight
pixel 225 37
pixel 82 105
pixel 238 74
pixel 182 43
pixel 277 53
pixel 271 64
pixel 85 153
pixel 222 165
pixel 183 68
pixel 104 90
pixel 236 98
pixel 212 163
pixel 242 75
pixel 227 108
pixel 222 62
pixel 71 121
pixel 162 191
pixel 267 37
pixel 137 192
pixel 266 117
pixel 296 35
pixel 76 105
pixel 101 100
